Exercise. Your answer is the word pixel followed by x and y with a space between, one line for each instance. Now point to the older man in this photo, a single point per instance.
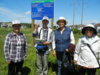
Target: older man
pixel 43 46
pixel 15 49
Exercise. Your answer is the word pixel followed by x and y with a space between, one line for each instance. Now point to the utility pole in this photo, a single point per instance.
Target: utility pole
pixel 74 4
pixel 82 11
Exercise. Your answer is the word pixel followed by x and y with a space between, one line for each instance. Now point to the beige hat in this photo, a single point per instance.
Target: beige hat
pixel 62 18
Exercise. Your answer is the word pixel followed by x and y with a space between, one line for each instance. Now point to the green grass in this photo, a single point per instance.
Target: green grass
pixel 29 64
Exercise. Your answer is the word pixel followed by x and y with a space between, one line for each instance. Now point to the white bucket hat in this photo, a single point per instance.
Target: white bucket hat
pixel 62 18
pixel 16 22
pixel 89 26
pixel 45 18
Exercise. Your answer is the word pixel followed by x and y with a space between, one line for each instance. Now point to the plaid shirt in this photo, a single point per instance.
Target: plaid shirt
pixel 15 47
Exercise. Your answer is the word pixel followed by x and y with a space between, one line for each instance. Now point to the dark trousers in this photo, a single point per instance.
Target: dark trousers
pixel 60 57
pixel 15 68
pixel 88 71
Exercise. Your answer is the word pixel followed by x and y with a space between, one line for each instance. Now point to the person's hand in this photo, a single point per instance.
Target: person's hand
pixel 87 67
pixel 46 43
pixel 54 52
pixel 90 67
pixel 67 50
pixel 75 62
pixel 9 62
pixel 37 25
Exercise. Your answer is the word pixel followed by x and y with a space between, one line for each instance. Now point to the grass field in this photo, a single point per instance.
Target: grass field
pixel 29 67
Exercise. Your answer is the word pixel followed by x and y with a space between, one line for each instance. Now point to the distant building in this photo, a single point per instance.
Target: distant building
pixel 9 24
pixel 98 27
pixel 5 24
pixel 79 27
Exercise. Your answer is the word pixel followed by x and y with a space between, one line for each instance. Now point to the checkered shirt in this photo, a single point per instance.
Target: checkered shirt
pixel 15 48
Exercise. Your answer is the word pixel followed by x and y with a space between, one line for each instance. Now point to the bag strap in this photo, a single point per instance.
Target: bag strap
pixel 41 31
pixel 93 54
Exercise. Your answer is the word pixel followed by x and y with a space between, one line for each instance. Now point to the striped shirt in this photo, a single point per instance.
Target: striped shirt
pixel 15 47
pixel 44 35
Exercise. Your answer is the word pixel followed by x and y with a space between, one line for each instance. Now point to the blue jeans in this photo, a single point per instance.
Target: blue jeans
pixel 60 58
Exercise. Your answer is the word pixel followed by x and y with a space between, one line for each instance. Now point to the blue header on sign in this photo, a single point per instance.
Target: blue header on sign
pixel 39 10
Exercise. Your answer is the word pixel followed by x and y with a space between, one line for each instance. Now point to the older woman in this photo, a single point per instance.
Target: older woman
pixel 63 36
pixel 87 51
pixel 15 49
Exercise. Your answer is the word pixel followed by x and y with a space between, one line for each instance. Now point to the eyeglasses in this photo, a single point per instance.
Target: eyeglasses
pixel 16 26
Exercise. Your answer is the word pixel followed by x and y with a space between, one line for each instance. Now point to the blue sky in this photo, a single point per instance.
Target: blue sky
pixel 21 10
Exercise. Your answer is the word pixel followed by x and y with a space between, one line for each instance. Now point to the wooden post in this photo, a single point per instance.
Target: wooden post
pixel 33 39
pixel 52 23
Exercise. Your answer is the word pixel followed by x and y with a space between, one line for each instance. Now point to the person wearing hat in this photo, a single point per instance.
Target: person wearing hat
pixel 44 35
pixel 87 51
pixel 15 49
pixel 63 37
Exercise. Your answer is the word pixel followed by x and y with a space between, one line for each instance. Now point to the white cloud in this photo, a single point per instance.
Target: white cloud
pixel 28 13
pixel 11 15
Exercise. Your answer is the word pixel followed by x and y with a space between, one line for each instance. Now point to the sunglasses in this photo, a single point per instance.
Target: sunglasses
pixel 89 29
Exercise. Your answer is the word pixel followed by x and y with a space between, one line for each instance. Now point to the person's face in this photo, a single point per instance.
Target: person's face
pixel 89 32
pixel 45 23
pixel 61 24
pixel 16 28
